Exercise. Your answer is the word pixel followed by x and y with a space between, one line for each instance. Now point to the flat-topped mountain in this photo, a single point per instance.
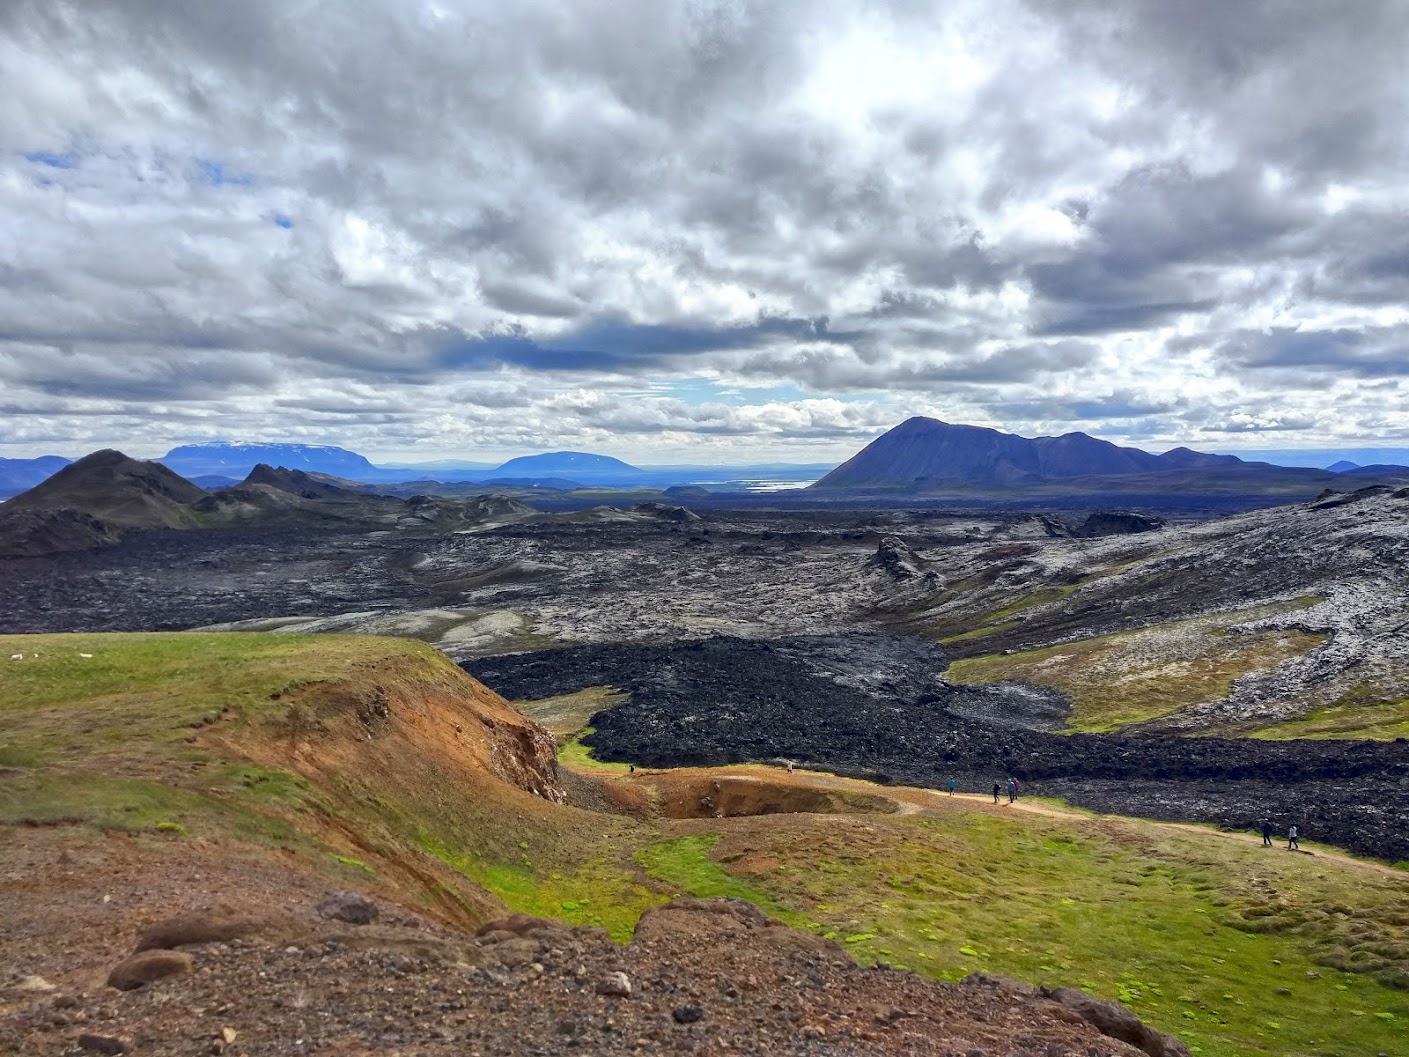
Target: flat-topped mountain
pixel 922 453
pixel 578 465
pixel 237 460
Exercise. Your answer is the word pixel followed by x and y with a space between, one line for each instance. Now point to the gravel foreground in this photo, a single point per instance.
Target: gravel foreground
pixel 275 965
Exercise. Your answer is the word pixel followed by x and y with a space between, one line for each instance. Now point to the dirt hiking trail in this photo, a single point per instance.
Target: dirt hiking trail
pixel 913 800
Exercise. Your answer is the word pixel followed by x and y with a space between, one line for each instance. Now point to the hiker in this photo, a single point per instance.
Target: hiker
pixel 633 768
pixel 1266 834
pixel 953 784
pixel 1292 845
pixel 995 792
pixel 1012 789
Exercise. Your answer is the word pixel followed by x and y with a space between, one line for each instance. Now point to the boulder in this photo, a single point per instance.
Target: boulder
pixel 105 1044
pixel 148 967
pixel 516 925
pixel 351 907
pixel 1117 523
pixel 213 925
pixel 895 558
pixel 615 985
pixel 1117 1022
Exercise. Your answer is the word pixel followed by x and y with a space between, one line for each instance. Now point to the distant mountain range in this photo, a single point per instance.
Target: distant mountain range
pixel 921 455
pixel 102 497
pixel 1329 458
pixel 17 475
pixel 237 460
pixel 218 464
pixel 925 455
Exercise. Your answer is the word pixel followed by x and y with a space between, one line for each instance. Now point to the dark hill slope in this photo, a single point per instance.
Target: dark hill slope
pixel 277 495
pixel 925 455
pixel 924 452
pixel 112 485
pixel 100 498
pixel 93 501
pixel 272 495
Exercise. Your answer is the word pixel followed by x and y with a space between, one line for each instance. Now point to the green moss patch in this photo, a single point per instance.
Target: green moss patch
pixel 1360 713
pixel 603 892
pixel 979 633
pixel 1115 680
pixel 1028 601
pixel 567 715
pixel 576 756
pixel 685 864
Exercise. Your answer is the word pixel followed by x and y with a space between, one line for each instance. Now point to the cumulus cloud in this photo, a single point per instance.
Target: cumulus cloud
pixel 461 229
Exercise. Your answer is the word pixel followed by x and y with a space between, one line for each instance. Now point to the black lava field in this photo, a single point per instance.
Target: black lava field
pixel 726 700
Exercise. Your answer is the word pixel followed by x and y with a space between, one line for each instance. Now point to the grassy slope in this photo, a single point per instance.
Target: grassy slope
pixel 1127 677
pixel 566 716
pixel 1000 619
pixel 258 737
pixel 1231 947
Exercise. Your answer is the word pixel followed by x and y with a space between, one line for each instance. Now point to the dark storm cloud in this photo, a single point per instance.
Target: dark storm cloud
pixel 1373 353
pixel 1153 247
pixel 1300 83
pixel 616 345
pixel 1117 405
pixel 130 374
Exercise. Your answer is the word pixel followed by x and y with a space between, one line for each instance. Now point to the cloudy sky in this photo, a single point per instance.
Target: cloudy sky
pixel 681 230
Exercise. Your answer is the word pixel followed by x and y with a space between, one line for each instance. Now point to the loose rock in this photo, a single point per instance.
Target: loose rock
pixel 102 1044
pixel 147 967
pixel 617 985
pixel 217 925
pixel 351 907
pixel 1113 1019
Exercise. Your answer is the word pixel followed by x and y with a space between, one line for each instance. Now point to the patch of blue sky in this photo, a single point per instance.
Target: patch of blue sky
pixel 215 174
pixel 54 161
pixel 283 221
pixel 710 391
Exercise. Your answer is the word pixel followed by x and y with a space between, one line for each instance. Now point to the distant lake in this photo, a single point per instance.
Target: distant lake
pixel 774 486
